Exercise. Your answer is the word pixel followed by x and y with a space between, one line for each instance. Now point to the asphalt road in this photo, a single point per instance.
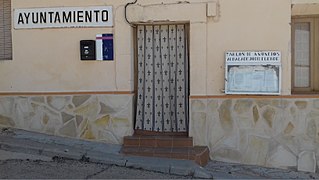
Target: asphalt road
pixel 70 169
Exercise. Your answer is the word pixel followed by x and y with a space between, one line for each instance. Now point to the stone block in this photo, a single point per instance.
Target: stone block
pixel 38 99
pixel 103 121
pixel 280 103
pixel 276 103
pixel 79 100
pixel 88 133
pixel 255 114
pixel 198 106
pixel 58 103
pixel 227 155
pixel 89 110
pixel 225 115
pixel 262 102
pixel 108 137
pixel 79 120
pixel 311 128
pixel 244 121
pixel 212 105
pixel 232 141
pixel 105 109
pixel 6 106
pixel 215 133
pixel 36 122
pixel 289 128
pixel 45 119
pixel 284 103
pixel 281 158
pixel 293 111
pixel 199 128
pixel 289 142
pixel 6 121
pixel 83 125
pixel 121 127
pixel 120 122
pixel 21 108
pixel 243 139
pixel 307 161
pixel 53 124
pixel 301 104
pixel 69 129
pixel 243 106
pixel 316 104
pixel 269 115
pixel 66 117
pixel 116 102
pixel 257 151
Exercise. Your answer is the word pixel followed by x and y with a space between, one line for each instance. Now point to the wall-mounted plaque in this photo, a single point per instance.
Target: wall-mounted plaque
pixel 253 72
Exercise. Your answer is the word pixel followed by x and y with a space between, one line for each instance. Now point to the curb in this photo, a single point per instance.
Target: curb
pixel 52 146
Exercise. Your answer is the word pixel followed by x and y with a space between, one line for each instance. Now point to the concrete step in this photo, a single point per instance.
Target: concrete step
pixel 199 154
pixel 158 141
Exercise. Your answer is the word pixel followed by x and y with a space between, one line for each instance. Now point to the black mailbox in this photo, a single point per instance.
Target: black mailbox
pixel 87 48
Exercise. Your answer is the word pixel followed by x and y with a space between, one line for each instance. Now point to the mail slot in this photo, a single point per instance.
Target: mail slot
pixel 87 48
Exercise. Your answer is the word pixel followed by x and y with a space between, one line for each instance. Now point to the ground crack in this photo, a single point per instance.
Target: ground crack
pixel 84 158
pixel 91 176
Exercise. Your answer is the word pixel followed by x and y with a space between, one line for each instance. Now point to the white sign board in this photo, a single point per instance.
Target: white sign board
pixel 61 17
pixel 253 72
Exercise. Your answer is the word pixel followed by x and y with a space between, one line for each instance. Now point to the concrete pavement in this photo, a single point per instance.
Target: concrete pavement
pixel 74 169
pixel 221 170
pixel 20 141
pixel 30 145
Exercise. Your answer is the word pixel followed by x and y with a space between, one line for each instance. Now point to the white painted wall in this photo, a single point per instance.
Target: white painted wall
pixel 47 60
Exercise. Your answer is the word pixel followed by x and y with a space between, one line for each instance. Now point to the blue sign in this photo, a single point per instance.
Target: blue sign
pixel 104 47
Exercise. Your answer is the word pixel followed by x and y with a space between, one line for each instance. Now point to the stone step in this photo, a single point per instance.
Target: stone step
pixel 158 141
pixel 199 154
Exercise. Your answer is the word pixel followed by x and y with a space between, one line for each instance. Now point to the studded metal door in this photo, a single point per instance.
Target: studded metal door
pixel 162 99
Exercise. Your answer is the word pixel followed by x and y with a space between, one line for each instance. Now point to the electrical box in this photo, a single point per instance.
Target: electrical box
pixel 211 9
pixel 87 48
pixel 104 47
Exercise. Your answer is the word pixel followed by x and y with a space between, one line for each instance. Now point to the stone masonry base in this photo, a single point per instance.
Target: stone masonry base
pixel 102 117
pixel 272 131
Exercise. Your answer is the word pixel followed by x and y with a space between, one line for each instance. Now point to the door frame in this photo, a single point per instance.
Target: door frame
pixel 135 62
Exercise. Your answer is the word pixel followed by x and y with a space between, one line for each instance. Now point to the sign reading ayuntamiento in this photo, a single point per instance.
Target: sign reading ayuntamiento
pixel 63 17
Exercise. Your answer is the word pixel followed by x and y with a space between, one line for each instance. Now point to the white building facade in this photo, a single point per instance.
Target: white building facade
pixel 85 69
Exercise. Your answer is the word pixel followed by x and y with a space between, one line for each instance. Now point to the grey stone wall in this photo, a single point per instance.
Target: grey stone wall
pixel 272 132
pixel 106 118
